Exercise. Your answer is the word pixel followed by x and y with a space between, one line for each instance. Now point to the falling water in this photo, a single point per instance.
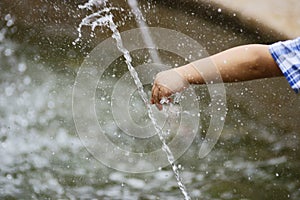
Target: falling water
pixel 104 17
pixel 144 28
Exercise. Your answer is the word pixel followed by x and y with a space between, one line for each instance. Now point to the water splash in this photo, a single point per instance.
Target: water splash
pixel 104 18
pixel 99 17
pixel 91 3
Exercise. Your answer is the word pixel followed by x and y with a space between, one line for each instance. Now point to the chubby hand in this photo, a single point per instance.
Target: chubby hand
pixel 165 84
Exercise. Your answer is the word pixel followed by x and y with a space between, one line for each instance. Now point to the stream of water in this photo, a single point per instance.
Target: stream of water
pixel 104 17
pixel 144 28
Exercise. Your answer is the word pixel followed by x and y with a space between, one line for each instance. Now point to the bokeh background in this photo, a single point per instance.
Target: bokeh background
pixel 257 156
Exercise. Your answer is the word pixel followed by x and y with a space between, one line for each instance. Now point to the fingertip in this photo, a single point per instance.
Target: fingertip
pixel 151 101
pixel 159 106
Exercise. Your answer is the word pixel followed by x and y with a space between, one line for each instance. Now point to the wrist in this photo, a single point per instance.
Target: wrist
pixel 189 73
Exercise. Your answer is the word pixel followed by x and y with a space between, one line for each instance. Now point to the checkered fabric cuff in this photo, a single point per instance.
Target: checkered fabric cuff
pixel 287 56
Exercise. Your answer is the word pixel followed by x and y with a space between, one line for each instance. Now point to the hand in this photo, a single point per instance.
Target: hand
pixel 165 84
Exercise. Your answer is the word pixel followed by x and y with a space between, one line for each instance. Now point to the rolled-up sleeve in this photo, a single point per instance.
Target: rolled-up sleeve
pixel 287 56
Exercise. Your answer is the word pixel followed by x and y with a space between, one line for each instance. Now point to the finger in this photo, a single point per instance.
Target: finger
pixel 159 106
pixel 155 98
pixel 164 93
pixel 155 95
pixel 152 99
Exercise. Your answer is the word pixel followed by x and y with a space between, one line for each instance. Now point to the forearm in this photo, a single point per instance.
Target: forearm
pixel 237 64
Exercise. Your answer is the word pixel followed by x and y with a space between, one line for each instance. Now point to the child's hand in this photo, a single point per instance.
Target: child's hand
pixel 165 84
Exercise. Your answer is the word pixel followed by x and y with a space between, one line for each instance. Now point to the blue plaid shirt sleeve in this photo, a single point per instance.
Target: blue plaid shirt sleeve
pixel 287 56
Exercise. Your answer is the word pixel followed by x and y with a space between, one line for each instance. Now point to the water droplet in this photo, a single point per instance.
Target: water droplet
pixel 8 52
pixel 36 57
pixel 51 104
pixel 27 80
pixel 9 176
pixel 10 90
pixel 9 20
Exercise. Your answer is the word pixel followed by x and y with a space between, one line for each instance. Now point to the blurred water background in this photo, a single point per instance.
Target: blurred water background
pixel 42 156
